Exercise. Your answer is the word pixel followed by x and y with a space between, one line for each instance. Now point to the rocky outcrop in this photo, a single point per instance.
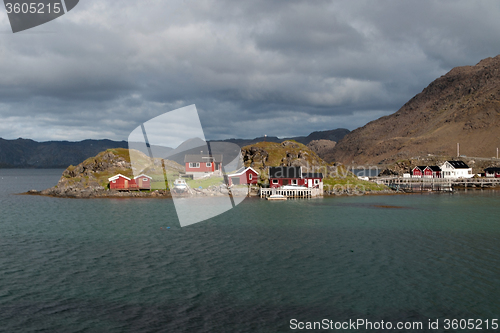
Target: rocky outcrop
pixel 322 147
pixel 254 155
pixel 89 179
pixel 288 153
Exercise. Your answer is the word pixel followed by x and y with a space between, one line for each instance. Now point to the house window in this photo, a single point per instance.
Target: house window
pixel 209 164
pixel 144 179
pixel 316 181
pixel 194 165
pixel 275 181
pixel 114 181
pixel 294 181
pixel 250 176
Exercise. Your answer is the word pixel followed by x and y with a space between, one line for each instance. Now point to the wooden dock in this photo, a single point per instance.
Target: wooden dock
pixel 436 184
pixel 291 193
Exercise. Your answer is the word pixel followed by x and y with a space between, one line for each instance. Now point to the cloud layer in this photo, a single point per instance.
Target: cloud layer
pixel 279 68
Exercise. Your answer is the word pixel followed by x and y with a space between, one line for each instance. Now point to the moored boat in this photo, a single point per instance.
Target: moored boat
pixel 276 197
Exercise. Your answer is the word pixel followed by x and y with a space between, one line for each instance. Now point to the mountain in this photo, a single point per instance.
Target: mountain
pixel 25 153
pixel 462 106
pixel 332 135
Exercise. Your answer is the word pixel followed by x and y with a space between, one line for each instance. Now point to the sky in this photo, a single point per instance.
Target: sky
pixel 252 68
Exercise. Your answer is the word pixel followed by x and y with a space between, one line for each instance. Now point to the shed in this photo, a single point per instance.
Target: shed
pixel 243 176
pixel 119 182
pixel 143 182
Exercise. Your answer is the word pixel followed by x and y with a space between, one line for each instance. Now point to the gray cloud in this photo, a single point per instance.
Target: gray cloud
pixel 252 68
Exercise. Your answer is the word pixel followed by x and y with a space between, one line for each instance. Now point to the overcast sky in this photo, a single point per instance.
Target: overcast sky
pixel 281 68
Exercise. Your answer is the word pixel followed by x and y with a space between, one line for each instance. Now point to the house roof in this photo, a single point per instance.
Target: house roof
pixel 285 172
pixel 458 164
pixel 434 168
pixel 312 175
pixel 118 176
pixel 143 175
pixel 492 169
pixel 199 158
pixel 420 167
pixel 241 171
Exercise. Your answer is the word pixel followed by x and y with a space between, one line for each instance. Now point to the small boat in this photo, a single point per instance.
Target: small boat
pixel 180 184
pixel 276 197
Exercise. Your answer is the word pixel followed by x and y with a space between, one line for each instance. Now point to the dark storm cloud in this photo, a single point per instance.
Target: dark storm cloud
pixel 252 68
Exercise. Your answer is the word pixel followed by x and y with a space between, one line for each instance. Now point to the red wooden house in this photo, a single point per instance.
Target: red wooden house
pixel 492 172
pixel 422 171
pixel 418 171
pixel 199 165
pixel 436 171
pixel 283 176
pixel 243 176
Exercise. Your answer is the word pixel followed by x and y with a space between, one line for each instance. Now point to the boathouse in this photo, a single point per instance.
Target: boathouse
pixel 493 172
pixel 243 176
pixel 456 169
pixel 200 165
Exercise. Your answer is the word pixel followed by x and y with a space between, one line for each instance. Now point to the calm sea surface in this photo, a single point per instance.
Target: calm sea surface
pixel 110 265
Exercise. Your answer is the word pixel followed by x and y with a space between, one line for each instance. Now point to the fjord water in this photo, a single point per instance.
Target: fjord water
pixel 110 265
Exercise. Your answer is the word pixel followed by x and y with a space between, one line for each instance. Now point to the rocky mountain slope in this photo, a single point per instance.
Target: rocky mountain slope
pixel 462 106
pixel 322 147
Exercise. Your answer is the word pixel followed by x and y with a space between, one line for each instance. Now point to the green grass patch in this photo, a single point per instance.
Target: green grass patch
pixel 352 181
pixel 205 182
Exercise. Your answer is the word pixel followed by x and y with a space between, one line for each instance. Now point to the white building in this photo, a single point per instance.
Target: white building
pixel 456 169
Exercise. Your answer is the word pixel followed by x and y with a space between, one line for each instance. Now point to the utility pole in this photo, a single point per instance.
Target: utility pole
pixel 458 149
pixel 497 153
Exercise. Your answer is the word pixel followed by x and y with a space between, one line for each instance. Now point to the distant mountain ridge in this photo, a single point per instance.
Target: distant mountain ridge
pixel 462 106
pixel 26 153
pixel 332 135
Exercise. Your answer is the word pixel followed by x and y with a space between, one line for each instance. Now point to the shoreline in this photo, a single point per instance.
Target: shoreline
pixel 163 194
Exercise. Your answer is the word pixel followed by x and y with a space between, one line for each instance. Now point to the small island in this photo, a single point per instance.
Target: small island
pixel 96 177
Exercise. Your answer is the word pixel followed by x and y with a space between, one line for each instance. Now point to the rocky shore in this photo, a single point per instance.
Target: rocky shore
pixel 98 192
